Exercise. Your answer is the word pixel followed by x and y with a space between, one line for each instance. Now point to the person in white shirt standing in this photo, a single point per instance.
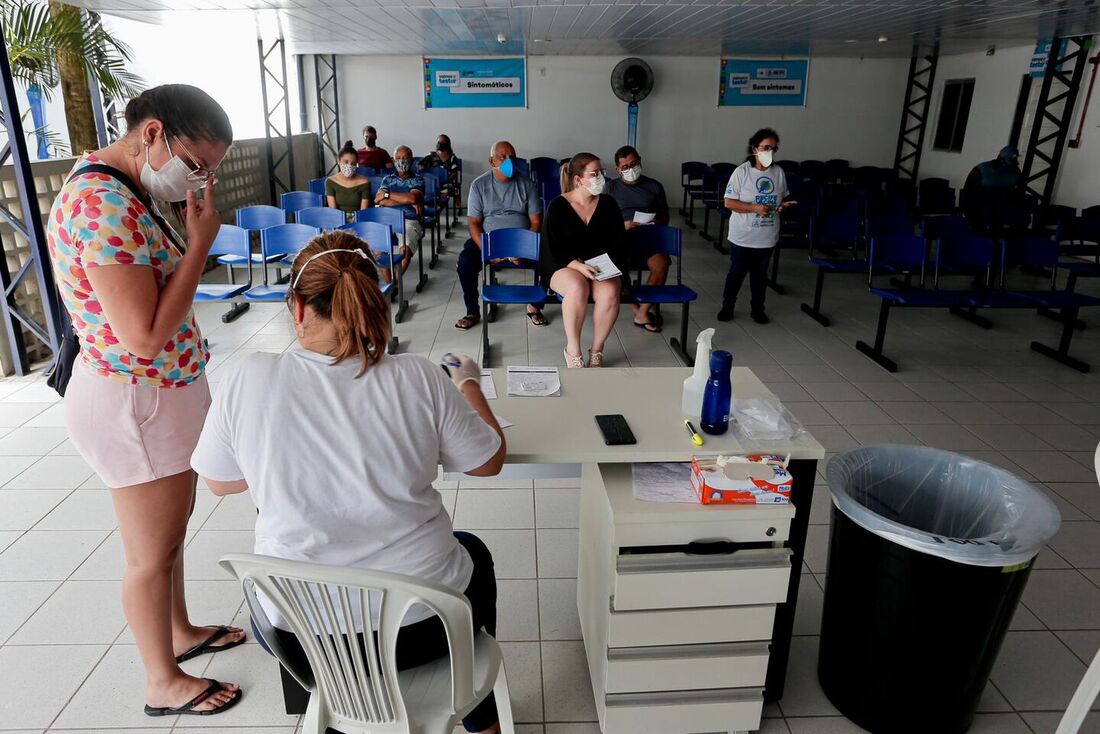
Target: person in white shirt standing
pixel 756 195
pixel 339 443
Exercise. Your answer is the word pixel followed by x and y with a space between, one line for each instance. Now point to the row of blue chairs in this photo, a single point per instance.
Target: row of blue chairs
pixel 522 244
pixel 990 259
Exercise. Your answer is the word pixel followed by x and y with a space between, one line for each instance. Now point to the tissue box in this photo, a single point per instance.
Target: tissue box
pixel 741 480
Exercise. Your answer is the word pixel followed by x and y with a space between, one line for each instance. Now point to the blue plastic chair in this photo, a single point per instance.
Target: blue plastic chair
pixel 877 226
pixel 321 217
pixel 317 186
pixel 549 190
pixel 839 233
pixel 713 199
pixel 282 242
pixel 691 179
pixel 965 254
pixel 813 170
pixel 644 242
pixel 294 201
pixel 396 219
pixel 375 182
pixel 384 246
pixel 522 166
pixel 232 242
pixel 261 216
pixel 522 244
pixel 366 171
pixel 544 169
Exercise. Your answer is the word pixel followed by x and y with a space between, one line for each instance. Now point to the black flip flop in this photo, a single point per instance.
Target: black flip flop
pixel 188 709
pixel 649 326
pixel 533 315
pixel 204 647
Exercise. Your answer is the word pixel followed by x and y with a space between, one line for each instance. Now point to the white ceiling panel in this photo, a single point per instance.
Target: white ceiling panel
pixel 612 27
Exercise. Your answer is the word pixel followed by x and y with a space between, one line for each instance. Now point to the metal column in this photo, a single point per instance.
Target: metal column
pixel 107 112
pixel 35 273
pixel 1053 114
pixel 275 75
pixel 914 112
pixel 328 111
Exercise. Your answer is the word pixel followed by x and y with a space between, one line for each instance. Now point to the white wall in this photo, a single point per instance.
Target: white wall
pixel 996 89
pixel 852 111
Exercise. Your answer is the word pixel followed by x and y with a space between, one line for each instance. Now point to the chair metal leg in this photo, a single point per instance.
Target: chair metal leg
pixel 1061 354
pixel 422 281
pixel 690 221
pixel 773 279
pixel 396 271
pixel 234 312
pixel 679 345
pixel 971 314
pixel 814 311
pixel 875 352
pixel 684 203
pixel 484 333
pixel 704 232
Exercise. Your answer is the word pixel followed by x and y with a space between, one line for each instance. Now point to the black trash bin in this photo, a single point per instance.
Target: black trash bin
pixel 928 555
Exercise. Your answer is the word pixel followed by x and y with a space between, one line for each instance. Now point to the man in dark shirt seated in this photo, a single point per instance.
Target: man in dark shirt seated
pixel 992 192
pixel 642 200
pixel 373 156
pixel 443 157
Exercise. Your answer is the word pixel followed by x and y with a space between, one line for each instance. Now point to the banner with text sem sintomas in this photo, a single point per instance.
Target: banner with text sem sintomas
pixel 484 82
pixel 763 82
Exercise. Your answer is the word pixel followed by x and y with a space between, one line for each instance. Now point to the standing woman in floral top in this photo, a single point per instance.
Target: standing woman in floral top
pixel 137 398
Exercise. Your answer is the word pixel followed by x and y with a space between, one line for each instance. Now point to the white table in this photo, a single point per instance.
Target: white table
pixel 628 681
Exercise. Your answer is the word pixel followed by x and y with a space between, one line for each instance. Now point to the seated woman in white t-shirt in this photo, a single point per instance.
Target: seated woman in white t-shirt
pixel 340 471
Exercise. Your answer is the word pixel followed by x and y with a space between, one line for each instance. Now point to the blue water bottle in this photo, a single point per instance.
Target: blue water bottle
pixel 717 395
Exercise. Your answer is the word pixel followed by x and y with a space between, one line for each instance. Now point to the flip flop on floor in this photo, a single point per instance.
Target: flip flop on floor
pixel 188 709
pixel 537 318
pixel 649 326
pixel 467 322
pixel 204 647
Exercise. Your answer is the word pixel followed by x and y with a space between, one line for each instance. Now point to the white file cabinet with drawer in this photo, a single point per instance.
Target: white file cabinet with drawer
pixel 677 605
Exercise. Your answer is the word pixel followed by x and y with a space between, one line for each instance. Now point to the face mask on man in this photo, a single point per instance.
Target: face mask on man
pixel 172 181
pixel 507 168
pixel 347 169
pixel 632 174
pixel 403 165
pixel 595 185
pixel 765 158
pixel 370 141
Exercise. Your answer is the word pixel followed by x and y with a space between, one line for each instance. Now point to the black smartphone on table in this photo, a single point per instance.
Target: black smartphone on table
pixel 616 431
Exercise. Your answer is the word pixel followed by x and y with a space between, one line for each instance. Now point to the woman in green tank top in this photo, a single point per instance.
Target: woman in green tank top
pixel 346 190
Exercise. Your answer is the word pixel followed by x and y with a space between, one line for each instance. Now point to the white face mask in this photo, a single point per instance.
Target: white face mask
pixel 347 169
pixel 765 158
pixel 632 174
pixel 172 181
pixel 595 185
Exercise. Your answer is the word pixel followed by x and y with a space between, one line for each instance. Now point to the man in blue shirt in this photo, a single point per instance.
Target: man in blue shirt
pixel 405 191
pixel 500 198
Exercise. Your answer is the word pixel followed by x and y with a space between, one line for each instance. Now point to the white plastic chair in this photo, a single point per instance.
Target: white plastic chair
pixel 357 689
pixel 1089 688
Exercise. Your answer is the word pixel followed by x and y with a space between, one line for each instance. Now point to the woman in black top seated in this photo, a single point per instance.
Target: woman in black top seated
pixel 581 224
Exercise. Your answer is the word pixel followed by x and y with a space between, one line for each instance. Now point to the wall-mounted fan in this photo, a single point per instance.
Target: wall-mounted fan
pixel 632 81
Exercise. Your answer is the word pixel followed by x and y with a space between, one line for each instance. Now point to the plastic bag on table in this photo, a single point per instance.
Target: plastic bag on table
pixel 764 419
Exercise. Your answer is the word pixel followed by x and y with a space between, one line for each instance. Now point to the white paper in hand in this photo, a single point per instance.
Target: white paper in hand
pixel 644 217
pixel 605 268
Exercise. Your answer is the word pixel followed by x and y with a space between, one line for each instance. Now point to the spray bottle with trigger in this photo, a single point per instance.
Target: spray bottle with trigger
pixel 695 385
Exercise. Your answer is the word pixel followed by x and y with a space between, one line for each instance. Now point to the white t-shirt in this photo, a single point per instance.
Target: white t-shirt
pixel 341 468
pixel 756 187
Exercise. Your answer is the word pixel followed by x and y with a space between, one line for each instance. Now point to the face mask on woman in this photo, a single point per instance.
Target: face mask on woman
pixel 765 158
pixel 172 181
pixel 347 169
pixel 402 165
pixel 632 174
pixel 595 185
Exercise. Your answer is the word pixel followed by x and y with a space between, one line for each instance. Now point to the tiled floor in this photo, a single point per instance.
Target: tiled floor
pixel 67 660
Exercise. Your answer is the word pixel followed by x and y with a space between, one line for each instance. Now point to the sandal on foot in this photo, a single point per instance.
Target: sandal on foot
pixel 205 646
pixel 572 362
pixel 468 321
pixel 595 359
pixel 649 326
pixel 188 709
pixel 537 318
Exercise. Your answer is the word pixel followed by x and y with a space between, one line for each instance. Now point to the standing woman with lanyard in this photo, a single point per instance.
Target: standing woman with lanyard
pixel 755 196
pixel 137 398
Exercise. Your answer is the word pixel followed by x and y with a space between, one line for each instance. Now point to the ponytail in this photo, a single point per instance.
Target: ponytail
pixel 343 287
pixel 573 168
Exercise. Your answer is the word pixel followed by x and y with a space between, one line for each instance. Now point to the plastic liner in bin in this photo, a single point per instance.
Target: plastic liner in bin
pixel 929 553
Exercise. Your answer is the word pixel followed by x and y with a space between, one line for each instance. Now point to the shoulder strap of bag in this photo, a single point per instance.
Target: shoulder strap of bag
pixel 129 184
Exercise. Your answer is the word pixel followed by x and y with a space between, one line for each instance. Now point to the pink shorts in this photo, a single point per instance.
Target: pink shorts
pixel 132 434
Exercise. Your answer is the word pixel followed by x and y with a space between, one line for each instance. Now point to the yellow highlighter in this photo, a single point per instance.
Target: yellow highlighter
pixel 695 437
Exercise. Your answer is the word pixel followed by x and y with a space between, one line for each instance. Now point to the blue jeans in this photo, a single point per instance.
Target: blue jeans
pixel 751 261
pixel 424 641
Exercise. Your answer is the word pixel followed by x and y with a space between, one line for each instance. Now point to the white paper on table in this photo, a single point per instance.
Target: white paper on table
pixel 503 422
pixel 664 482
pixel 644 217
pixel 488 387
pixel 534 382
pixel 605 268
